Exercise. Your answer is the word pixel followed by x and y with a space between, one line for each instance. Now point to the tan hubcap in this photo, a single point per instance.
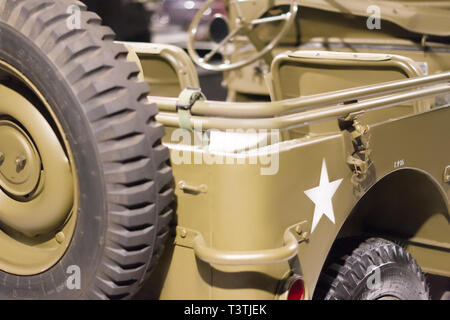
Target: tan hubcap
pixel 20 169
pixel 38 190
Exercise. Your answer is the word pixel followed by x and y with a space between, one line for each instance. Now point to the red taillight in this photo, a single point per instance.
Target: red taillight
pixel 297 290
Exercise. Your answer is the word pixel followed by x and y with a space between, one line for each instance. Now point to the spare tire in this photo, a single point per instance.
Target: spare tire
pixel 85 183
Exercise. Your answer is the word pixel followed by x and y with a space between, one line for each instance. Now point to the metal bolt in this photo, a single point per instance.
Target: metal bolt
pixel 60 237
pixel 21 162
pixel 2 158
pixel 305 235
pixel 183 233
pixel 298 229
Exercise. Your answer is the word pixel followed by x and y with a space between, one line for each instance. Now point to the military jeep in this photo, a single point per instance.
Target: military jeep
pixel 324 175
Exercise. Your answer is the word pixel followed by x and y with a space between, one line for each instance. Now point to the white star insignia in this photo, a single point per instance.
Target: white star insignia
pixel 321 196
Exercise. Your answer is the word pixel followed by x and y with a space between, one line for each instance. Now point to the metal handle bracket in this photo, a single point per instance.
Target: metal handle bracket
pixel 193 239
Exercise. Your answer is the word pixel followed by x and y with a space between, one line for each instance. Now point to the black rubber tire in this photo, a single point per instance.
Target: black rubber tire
pixel 129 19
pixel 125 179
pixel 348 277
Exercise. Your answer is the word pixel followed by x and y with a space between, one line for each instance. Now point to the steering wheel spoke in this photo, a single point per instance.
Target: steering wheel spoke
pixel 281 17
pixel 222 43
pixel 238 9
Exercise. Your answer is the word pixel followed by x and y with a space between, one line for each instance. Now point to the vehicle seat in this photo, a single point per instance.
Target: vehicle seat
pixel 303 73
pixel 166 68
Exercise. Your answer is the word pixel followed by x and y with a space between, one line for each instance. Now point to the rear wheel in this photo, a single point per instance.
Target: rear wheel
pixel 376 269
pixel 85 183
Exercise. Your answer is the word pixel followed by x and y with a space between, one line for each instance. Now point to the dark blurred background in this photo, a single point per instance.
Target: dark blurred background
pixel 129 19
pixel 138 20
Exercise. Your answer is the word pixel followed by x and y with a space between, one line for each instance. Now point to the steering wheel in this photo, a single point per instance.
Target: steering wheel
pixel 243 28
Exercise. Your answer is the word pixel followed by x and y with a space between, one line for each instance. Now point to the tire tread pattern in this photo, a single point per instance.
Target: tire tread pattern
pixel 343 275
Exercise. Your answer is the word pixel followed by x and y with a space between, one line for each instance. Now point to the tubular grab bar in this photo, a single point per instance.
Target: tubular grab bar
pixel 193 239
pixel 260 110
pixel 305 117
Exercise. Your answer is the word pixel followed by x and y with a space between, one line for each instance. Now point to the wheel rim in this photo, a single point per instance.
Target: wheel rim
pixel 38 187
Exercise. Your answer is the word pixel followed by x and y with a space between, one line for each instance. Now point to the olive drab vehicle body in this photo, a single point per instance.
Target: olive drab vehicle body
pixel 336 127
